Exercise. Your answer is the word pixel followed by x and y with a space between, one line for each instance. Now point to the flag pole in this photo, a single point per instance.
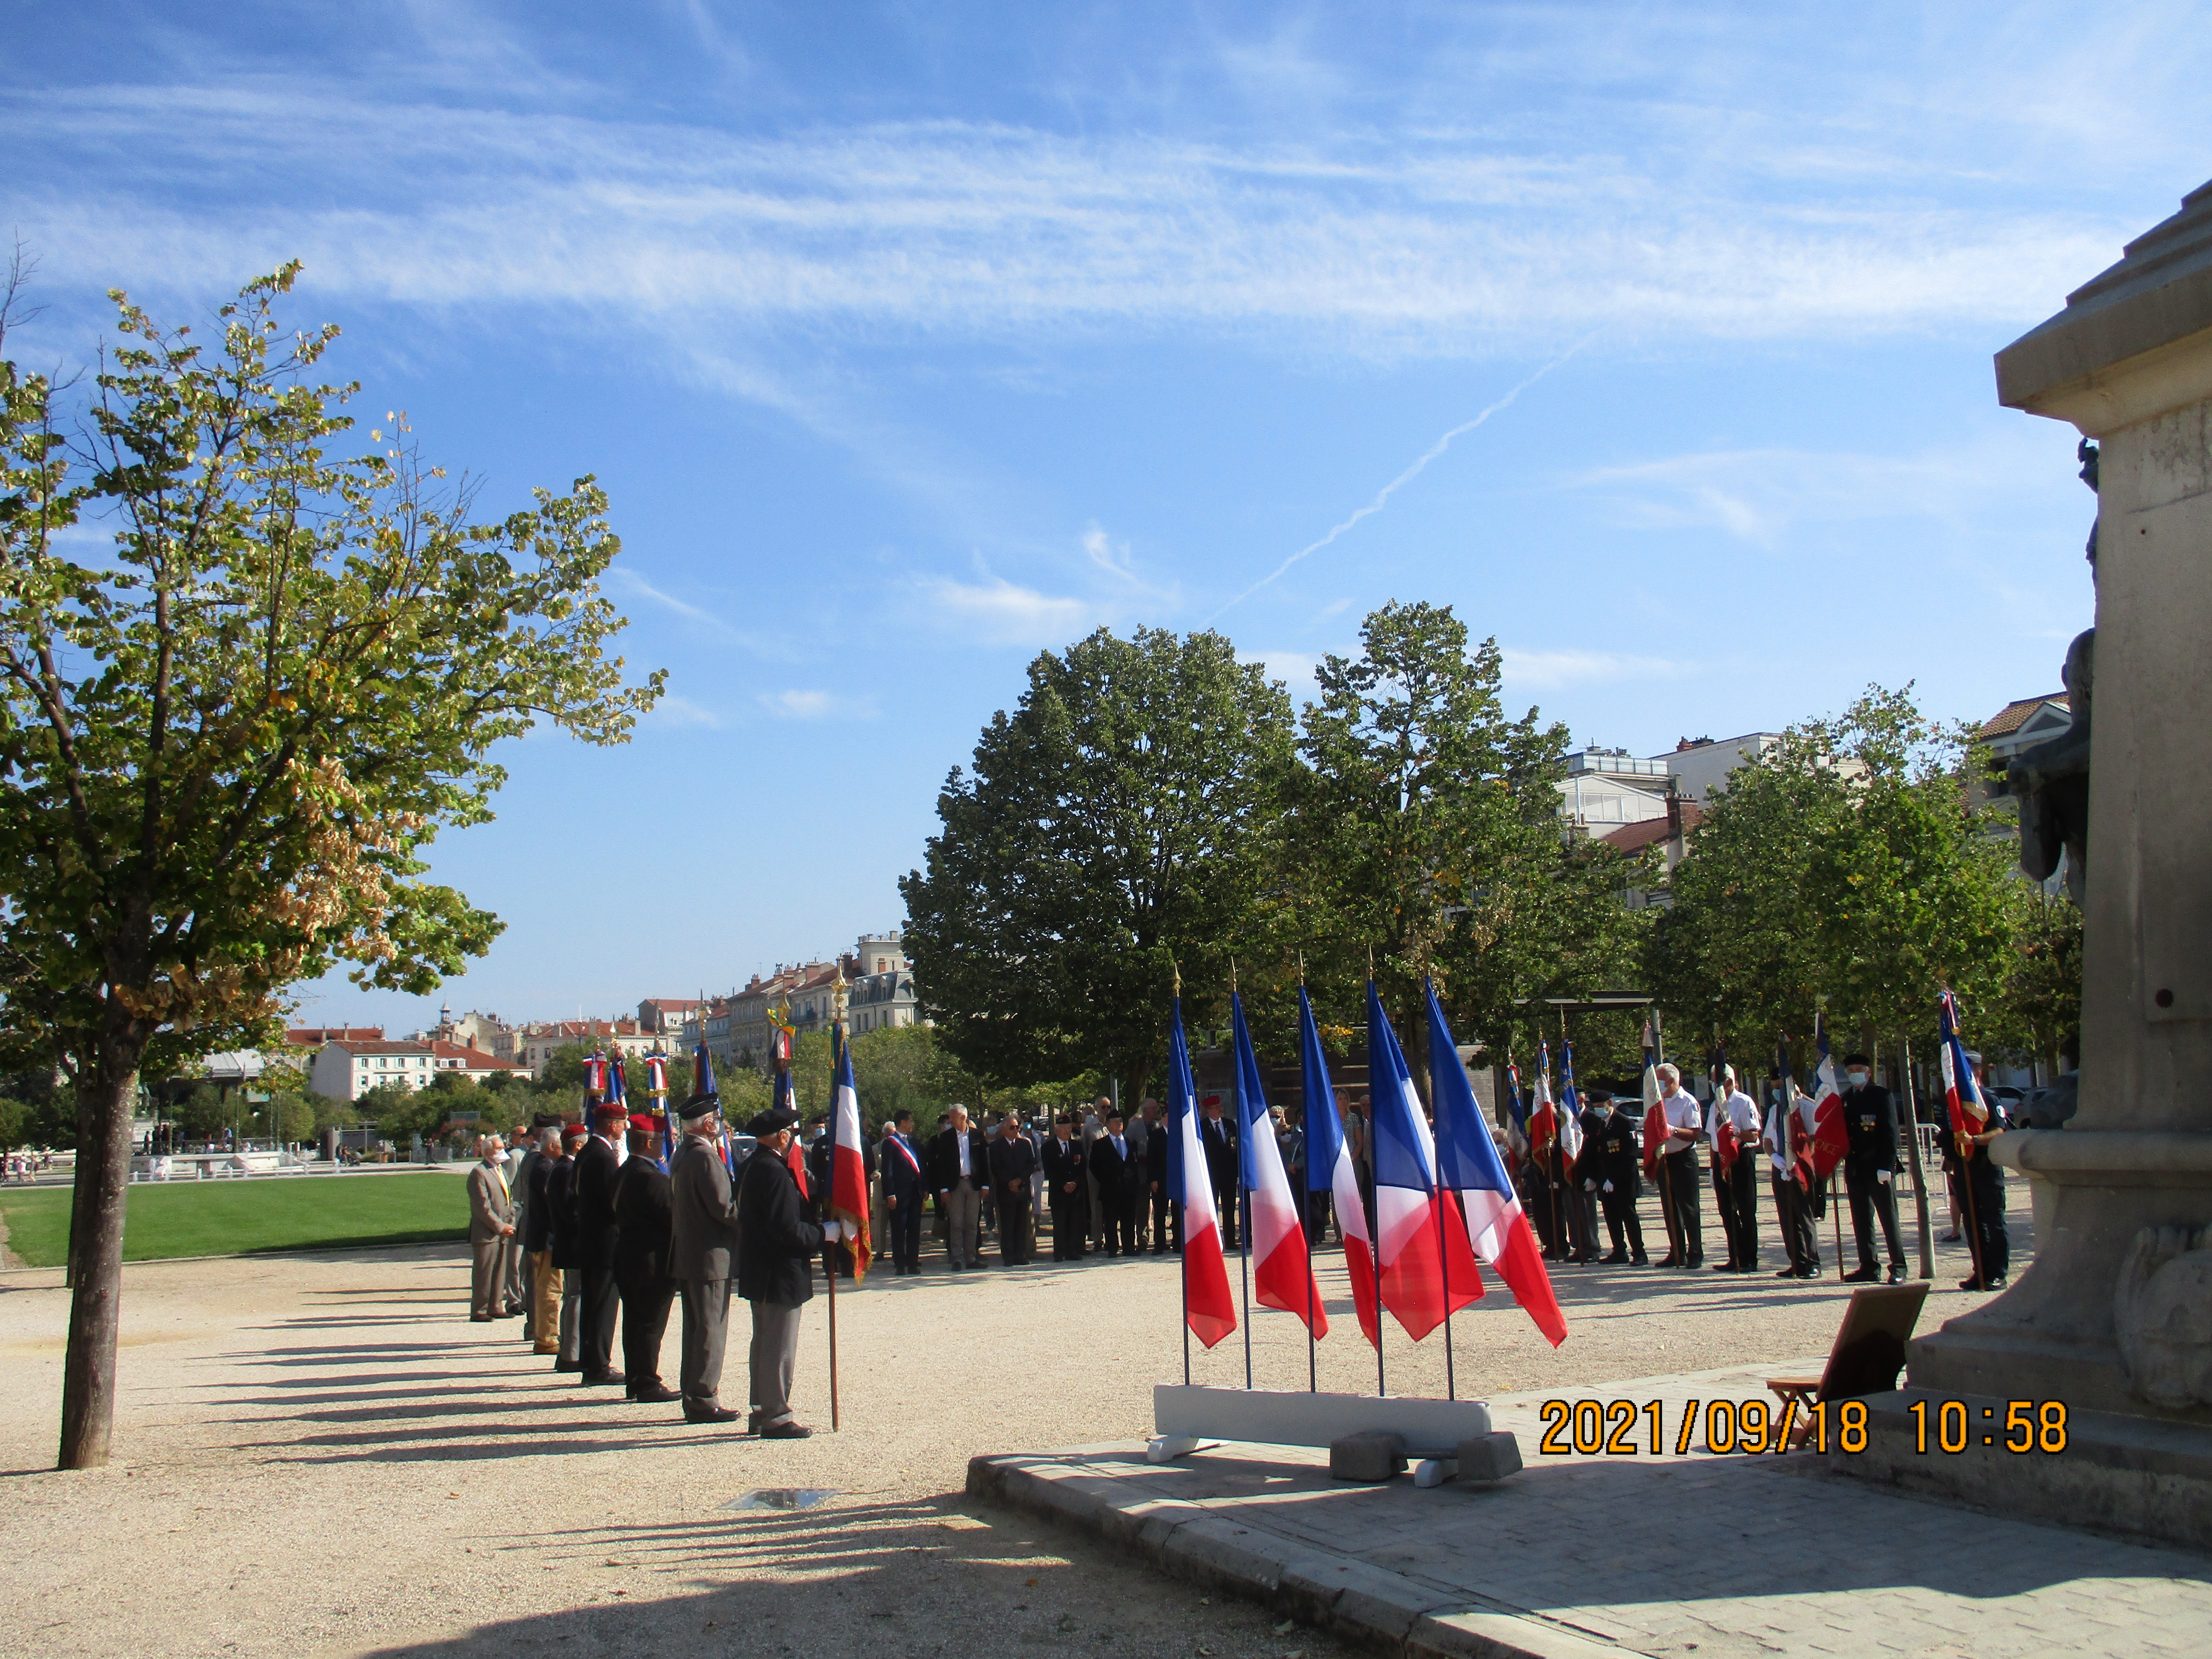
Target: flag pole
pixel 1966 1154
pixel 1437 1202
pixel 1375 1219
pixel 1919 1177
pixel 1182 1241
pixel 828 1260
pixel 1305 1209
pixel 1243 1202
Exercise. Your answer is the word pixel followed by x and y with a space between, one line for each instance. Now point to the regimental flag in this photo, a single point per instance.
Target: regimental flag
pixel 1467 1163
pixel 1825 1148
pixel 1654 1115
pixel 1544 1122
pixel 848 1166
pixel 1782 1119
pixel 595 1075
pixel 1428 1269
pixel 794 1155
pixel 1570 1104
pixel 1330 1169
pixel 1962 1093
pixel 703 1073
pixel 618 1082
pixel 1517 1115
pixel 1282 1272
pixel 1209 1310
pixel 656 1075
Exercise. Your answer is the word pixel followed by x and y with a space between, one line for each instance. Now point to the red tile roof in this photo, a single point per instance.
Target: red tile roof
pixel 1648 832
pixel 2014 716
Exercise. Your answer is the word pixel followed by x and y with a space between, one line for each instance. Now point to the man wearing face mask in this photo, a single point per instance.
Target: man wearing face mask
pixel 1870 1168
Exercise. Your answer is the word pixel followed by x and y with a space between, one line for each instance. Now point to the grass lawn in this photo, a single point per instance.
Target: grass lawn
pixel 235 1217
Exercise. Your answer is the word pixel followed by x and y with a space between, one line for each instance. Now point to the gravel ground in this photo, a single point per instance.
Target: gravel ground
pixel 319 1455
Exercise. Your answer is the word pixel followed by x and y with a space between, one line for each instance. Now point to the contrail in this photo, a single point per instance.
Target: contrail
pixel 1383 496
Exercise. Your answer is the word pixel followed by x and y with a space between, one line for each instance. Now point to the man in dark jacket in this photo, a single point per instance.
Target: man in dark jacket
pixel 1013 1168
pixel 1065 1164
pixel 703 1243
pixel 1220 1141
pixel 560 1214
pixel 776 1247
pixel 1619 1169
pixel 597 1166
pixel 538 1240
pixel 1166 1218
pixel 1120 1169
pixel 1585 1177
pixel 1870 1169
pixel 906 1190
pixel 642 1216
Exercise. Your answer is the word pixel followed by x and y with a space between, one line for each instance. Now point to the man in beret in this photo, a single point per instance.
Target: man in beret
pixel 641 1255
pixel 776 1248
pixel 703 1244
pixel 596 1230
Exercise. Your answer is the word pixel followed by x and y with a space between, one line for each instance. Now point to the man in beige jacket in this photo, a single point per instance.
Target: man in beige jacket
pixel 491 1231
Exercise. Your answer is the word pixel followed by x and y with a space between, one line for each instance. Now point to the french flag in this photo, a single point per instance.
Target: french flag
pixel 1544 1122
pixel 1827 1144
pixel 1467 1163
pixel 1517 1115
pixel 1428 1271
pixel 849 1164
pixel 1330 1169
pixel 1209 1310
pixel 1282 1272
pixel 1962 1096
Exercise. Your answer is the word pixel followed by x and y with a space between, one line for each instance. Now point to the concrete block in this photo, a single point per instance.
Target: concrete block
pixel 1166 1448
pixel 1431 1428
pixel 1367 1454
pixel 1219 1552
pixel 1433 1471
pixel 1490 1456
pixel 1481 1635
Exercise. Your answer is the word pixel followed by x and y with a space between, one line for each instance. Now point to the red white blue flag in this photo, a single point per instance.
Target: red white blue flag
pixel 1467 1163
pixel 1428 1270
pixel 1209 1310
pixel 848 1166
pixel 1330 1169
pixel 1962 1094
pixel 1282 1272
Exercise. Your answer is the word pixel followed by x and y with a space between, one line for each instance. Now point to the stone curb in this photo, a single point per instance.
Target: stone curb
pixel 1330 1592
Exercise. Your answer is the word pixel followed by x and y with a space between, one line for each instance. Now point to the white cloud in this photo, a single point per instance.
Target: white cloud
pixel 1294 668
pixel 1548 670
pixel 800 704
pixel 1440 244
pixel 1005 613
pixel 674 710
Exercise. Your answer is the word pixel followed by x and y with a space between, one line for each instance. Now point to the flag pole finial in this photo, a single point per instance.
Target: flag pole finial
pixel 1175 969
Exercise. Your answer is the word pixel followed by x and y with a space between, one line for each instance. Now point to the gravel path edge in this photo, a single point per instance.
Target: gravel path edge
pixel 1349 1598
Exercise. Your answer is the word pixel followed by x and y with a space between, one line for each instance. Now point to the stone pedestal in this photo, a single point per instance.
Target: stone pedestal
pixel 2115 1315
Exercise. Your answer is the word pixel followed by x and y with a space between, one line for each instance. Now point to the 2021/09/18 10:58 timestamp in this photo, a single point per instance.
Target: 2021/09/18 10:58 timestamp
pixel 1620 1428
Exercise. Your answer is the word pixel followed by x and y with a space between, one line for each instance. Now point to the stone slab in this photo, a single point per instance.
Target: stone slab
pixel 1430 1428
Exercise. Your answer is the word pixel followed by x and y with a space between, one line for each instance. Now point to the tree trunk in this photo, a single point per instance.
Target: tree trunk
pixel 103 1175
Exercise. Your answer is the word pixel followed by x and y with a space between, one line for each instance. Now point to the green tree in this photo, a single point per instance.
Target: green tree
pixel 1425 835
pixel 225 741
pixel 1117 824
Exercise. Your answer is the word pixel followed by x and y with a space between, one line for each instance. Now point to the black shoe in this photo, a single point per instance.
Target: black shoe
pixel 1788 1273
pixel 1948 1238
pixel 568 1365
pixel 1897 1275
pixel 1613 1260
pixel 1808 1273
pixel 1695 1262
pixel 1996 1284
pixel 709 1414
pixel 1670 1261
pixel 1862 1276
pixel 480 1319
pixel 602 1380
pixel 655 1393
pixel 1640 1261
pixel 1724 1267
pixel 787 1430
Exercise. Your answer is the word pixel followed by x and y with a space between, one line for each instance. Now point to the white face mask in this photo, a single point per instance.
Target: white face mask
pixel 1857 1079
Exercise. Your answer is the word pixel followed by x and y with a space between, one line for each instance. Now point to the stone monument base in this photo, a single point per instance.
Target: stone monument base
pixel 2128 1475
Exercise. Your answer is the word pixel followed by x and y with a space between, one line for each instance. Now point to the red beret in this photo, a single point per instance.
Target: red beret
pixel 572 1132
pixel 644 1122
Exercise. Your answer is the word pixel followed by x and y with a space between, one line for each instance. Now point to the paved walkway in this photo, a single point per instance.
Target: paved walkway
pixel 1718 1555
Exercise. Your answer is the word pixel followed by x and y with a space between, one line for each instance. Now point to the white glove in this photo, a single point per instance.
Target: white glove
pixel 1590 1186
pixel 1882 1176
pixel 832 1231
pixel 1608 1186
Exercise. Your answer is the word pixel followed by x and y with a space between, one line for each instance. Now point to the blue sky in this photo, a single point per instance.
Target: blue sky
pixel 909 339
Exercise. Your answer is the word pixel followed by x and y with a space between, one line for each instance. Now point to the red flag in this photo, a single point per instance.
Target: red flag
pixel 848 1166
pixel 1654 1138
pixel 1725 1146
pixel 794 1157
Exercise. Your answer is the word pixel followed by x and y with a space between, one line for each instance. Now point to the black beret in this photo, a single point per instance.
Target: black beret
pixel 770 1122
pixel 699 1106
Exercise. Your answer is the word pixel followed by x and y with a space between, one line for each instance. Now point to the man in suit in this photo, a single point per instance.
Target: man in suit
pixel 703 1243
pixel 905 1191
pixel 960 1170
pixel 1159 1136
pixel 560 1204
pixel 1619 1171
pixel 1065 1166
pixel 776 1247
pixel 642 1220
pixel 491 1231
pixel 1870 1169
pixel 1013 1171
pixel 1119 1170
pixel 1220 1141
pixel 537 1238
pixel 521 1153
pixel 597 1166
pixel 1585 1175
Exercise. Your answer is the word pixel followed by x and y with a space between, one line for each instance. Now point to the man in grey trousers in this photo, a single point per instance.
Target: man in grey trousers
pixel 776 1249
pixel 491 1231
pixel 701 1249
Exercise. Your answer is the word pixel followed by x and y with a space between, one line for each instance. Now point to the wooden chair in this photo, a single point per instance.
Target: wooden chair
pixel 1867 1353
